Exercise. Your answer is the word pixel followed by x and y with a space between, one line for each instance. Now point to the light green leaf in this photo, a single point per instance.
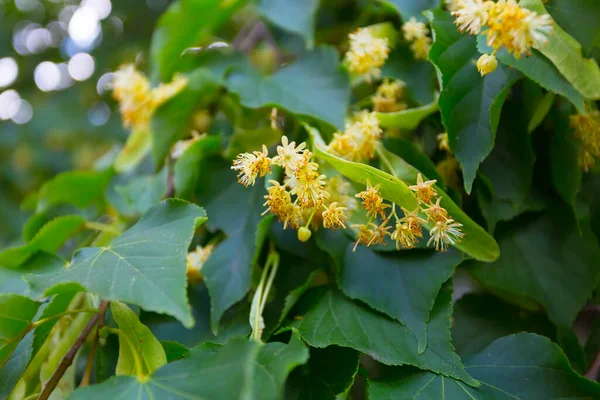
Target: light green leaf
pixel 565 53
pixel 74 187
pixel 235 210
pixel 140 353
pixel 411 160
pixel 209 373
pixel 17 313
pixel 313 86
pixel 186 23
pixel 470 104
pixel 329 372
pixel 541 111
pixel 379 287
pixel 274 363
pixel 539 69
pixel 522 366
pixel 476 242
pixel 144 266
pixel 293 16
pixel 411 8
pixel 328 317
pixel 407 119
pixel 138 145
pixel 49 238
pixel 547 260
pixel 191 164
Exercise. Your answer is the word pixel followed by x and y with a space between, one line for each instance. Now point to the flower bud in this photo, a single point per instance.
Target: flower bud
pixel 486 64
pixel 304 234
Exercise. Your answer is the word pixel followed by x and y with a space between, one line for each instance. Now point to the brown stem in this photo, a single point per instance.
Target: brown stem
pixel 90 361
pixel 67 360
pixel 592 372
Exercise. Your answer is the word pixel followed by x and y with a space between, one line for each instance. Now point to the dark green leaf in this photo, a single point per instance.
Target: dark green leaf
pixel 293 16
pixel 235 210
pixel 17 314
pixel 329 372
pixel 211 373
pixel 470 104
pixel 140 353
pixel 579 18
pixel 13 368
pixel 328 317
pixel 409 152
pixel 480 319
pixel 522 366
pixel 59 304
pixel 419 76
pixel 411 8
pixel 185 24
pixel 540 70
pixel 191 164
pixel 144 266
pixel 546 260
pixel 274 363
pixel 174 351
pixel 403 285
pixel 144 192
pixel 312 86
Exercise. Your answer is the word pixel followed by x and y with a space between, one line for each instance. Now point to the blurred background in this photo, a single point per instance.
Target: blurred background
pixel 56 109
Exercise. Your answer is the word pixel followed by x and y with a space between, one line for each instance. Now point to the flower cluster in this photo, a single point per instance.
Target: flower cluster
pixel 367 53
pixel 137 100
pixel 359 141
pixel 587 130
pixel 506 25
pixel 388 96
pixel 408 230
pixel 417 34
pixel 306 199
pixel 195 261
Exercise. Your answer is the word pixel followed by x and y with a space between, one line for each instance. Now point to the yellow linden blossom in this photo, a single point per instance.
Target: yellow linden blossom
pixel 587 130
pixel 424 190
pixel 372 201
pixel 471 15
pixel 387 96
pixel 334 217
pixel 309 187
pixel 408 230
pixel 250 165
pixel 359 141
pixel 290 156
pixel 137 100
pixel 445 233
pixel 486 64
pixel 417 33
pixel 435 212
pixel 195 261
pixel 339 191
pixel 367 53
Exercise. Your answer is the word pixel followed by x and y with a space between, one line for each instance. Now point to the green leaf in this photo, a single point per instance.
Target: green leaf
pixel 407 270
pixel 14 367
pixel 579 18
pixel 74 187
pixel 140 353
pixel 186 23
pixel 540 70
pixel 172 121
pixel 476 242
pixel 144 192
pixel 546 260
pixel 328 317
pixel 235 210
pixel 274 363
pixel 174 351
pixel 470 104
pixel 59 304
pixel 313 86
pixel 12 280
pixel 191 164
pixel 49 238
pixel 410 152
pixel 329 372
pixel 565 53
pixel 508 170
pixel 522 366
pixel 418 76
pixel 210 373
pixel 293 16
pixel 15 318
pixel 541 111
pixel 480 319
pixel 407 119
pixel 144 266
pixel 411 8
